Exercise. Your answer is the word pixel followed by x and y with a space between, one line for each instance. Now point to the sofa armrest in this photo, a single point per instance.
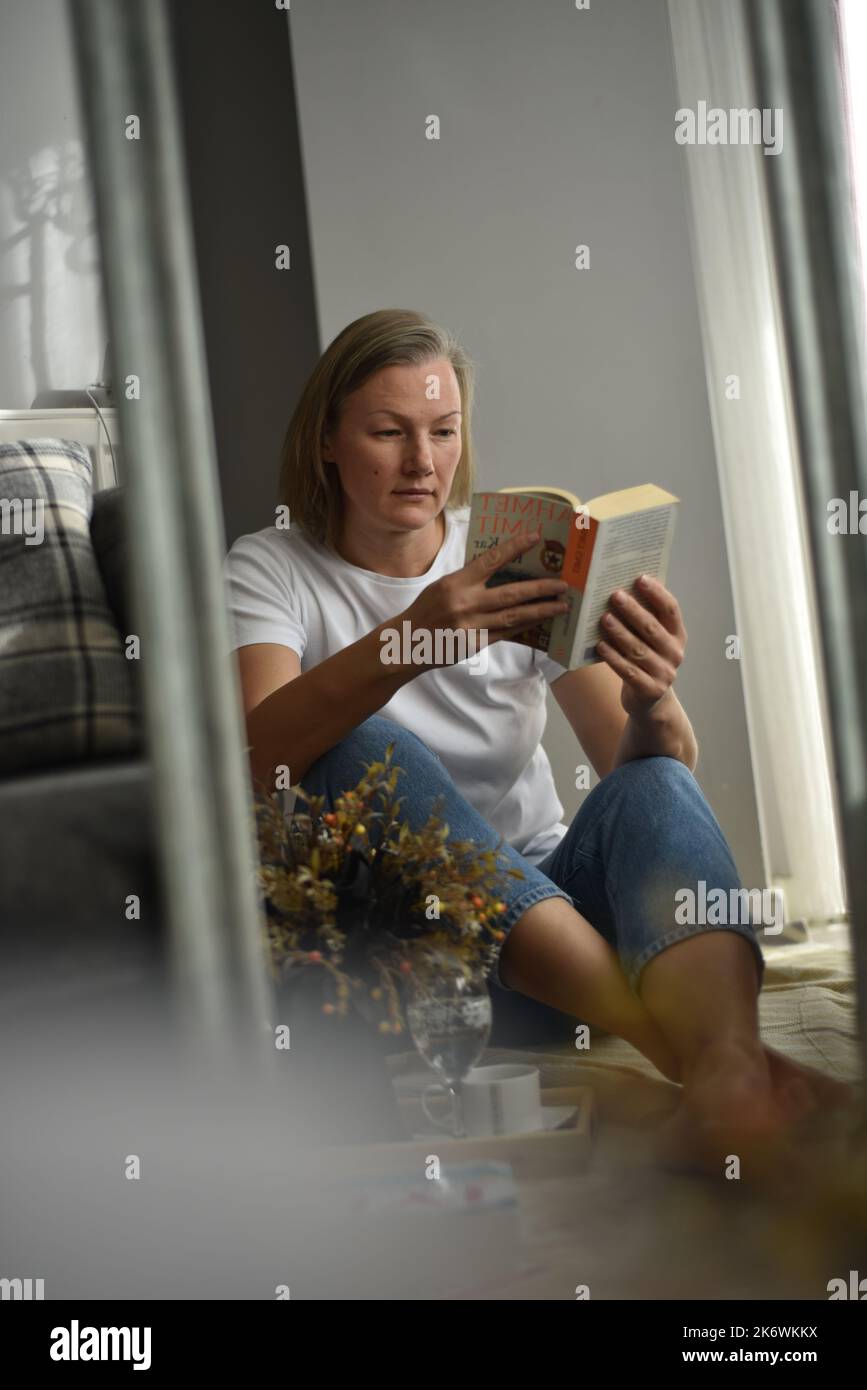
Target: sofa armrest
pixel 74 844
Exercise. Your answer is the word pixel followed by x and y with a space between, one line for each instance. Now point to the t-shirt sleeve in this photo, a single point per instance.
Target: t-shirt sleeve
pixel 550 668
pixel 262 602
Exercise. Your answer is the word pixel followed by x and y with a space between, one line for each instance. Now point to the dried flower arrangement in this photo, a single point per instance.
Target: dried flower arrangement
pixel 357 895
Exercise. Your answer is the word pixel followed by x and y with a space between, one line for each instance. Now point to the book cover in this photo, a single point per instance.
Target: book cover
pixel 596 548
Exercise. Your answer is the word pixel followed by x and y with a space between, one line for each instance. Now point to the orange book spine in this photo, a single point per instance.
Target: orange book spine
pixel 579 553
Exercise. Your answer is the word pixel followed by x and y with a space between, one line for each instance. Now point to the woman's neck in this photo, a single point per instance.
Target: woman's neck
pixel 399 555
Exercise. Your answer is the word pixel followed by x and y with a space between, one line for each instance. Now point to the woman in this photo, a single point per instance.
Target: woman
pixel 377 475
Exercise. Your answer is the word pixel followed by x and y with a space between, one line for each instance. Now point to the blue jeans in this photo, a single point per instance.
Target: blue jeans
pixel 645 832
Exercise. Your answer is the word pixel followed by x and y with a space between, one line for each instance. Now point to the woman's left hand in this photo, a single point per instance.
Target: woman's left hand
pixel 644 642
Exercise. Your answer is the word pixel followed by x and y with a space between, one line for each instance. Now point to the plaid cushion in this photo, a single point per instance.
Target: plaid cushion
pixel 66 687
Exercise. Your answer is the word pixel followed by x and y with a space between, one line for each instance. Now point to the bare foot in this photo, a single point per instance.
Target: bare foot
pixel 743 1101
pixel 820 1092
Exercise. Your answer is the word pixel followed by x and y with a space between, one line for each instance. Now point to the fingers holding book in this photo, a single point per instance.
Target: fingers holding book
pixel 468 600
pixel 644 641
pixel 511 600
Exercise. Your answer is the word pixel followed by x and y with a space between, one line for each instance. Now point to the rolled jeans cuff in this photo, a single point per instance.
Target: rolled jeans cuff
pixel 634 965
pixel 516 908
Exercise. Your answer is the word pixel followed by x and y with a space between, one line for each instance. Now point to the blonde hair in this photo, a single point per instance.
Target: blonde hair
pixel 386 338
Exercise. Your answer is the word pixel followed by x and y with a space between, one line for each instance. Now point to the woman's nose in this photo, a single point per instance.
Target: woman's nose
pixel 419 456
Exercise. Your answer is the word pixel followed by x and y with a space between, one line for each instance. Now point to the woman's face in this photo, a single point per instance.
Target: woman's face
pixel 395 450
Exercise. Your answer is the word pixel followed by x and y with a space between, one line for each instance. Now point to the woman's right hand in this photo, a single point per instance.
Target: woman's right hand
pixel 461 601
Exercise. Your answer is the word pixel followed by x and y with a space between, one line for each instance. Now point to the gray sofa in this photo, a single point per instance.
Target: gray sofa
pixel 76 840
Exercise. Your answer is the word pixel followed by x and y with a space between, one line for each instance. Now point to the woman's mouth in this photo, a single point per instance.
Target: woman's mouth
pixel 415 492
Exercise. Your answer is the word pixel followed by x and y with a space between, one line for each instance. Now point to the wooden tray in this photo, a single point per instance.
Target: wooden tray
pixel 543 1154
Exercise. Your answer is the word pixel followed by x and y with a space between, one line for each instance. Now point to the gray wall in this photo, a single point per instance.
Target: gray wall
pixel 247 192
pixel 52 335
pixel 557 128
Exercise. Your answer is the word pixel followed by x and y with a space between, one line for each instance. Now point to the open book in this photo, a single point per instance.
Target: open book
pixel 596 547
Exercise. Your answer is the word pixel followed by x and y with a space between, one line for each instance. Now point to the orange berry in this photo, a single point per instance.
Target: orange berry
pixel 405 968
pixel 328 1008
pixel 477 901
pixel 314 957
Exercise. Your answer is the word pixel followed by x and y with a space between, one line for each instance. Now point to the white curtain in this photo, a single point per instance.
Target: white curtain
pixel 759 477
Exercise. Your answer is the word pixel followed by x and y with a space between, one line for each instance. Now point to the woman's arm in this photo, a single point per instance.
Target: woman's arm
pixel 590 698
pixel 294 717
pixel 663 731
pixel 625 707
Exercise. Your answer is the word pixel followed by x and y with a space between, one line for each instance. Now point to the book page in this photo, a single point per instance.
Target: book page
pixel 628 500
pixel 626 547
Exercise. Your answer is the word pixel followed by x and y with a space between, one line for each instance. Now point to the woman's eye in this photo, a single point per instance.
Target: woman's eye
pixel 387 434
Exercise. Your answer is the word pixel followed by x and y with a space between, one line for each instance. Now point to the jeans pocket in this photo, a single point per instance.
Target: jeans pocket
pixel 585 884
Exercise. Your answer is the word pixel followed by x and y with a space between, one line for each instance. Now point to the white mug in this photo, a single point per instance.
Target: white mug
pixel 505 1098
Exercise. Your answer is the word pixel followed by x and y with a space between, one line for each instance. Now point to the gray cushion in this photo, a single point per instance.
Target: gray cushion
pixel 108 533
pixel 66 688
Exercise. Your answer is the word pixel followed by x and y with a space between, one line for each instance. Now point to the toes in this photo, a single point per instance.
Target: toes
pixel 827 1090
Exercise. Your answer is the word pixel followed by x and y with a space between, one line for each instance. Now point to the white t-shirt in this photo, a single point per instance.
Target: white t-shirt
pixel 486 725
